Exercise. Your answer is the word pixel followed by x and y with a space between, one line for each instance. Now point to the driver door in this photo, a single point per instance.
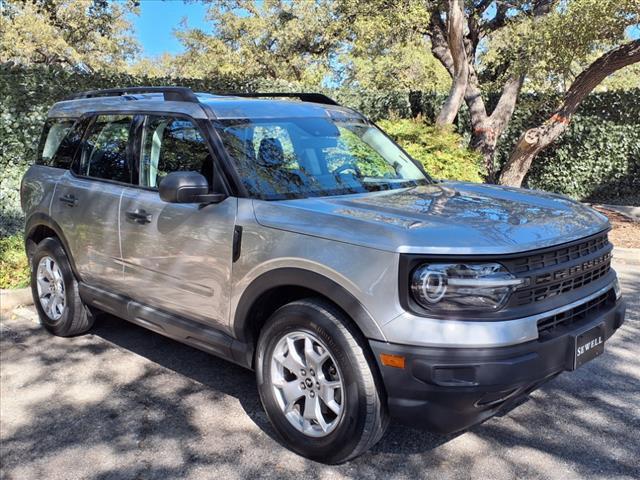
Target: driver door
pixel 177 257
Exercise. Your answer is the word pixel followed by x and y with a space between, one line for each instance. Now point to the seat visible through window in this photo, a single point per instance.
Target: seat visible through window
pixel 171 144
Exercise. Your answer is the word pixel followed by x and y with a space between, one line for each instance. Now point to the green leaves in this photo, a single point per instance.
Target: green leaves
pixel 69 33
pixel 14 266
pixel 554 48
pixel 442 153
pixel 598 158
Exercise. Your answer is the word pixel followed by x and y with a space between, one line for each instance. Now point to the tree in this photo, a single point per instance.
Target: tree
pixel 93 34
pixel 315 43
pixel 385 47
pixel 481 20
pixel 459 67
pixel 272 39
pixel 534 140
pixel 510 45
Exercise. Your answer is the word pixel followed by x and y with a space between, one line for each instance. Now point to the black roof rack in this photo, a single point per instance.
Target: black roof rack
pixel 305 97
pixel 176 94
pixel 184 94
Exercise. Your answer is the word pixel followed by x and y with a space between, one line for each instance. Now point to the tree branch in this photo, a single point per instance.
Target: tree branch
pixel 439 45
pixel 458 52
pixel 534 140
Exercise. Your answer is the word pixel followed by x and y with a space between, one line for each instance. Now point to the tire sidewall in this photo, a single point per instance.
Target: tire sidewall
pixel 52 248
pixel 346 436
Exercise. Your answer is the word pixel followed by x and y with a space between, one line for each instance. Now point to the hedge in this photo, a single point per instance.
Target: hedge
pixel 597 159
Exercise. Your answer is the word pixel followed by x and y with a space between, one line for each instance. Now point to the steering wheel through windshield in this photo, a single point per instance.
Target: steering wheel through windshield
pixel 346 167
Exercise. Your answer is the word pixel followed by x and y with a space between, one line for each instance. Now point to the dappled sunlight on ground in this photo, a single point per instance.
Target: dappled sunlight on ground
pixel 122 402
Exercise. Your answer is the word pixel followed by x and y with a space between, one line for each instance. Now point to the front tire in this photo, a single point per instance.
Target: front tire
pixel 55 291
pixel 317 384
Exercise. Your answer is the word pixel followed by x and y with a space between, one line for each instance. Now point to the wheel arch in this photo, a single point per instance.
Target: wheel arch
pixel 40 226
pixel 280 286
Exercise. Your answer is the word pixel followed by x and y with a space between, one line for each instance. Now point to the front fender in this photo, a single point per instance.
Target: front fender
pixel 297 277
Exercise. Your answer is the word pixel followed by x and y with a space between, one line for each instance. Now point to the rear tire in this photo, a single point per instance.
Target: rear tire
pixel 350 412
pixel 55 291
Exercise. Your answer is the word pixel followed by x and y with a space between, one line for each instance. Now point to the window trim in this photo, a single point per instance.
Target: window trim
pixel 216 124
pixel 43 140
pixel 138 148
pixel 214 144
pixel 75 164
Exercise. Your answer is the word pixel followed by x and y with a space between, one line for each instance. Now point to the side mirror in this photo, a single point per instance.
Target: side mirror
pixel 187 187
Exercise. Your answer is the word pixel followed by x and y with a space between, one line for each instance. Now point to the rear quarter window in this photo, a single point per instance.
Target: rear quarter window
pixel 60 140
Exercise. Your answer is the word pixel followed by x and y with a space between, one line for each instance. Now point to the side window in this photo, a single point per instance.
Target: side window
pixel 104 151
pixel 171 144
pixel 60 140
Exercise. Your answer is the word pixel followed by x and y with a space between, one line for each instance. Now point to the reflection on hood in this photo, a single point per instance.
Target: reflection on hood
pixel 448 217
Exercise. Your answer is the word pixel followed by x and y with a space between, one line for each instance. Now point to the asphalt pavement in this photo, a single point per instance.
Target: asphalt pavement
pixel 123 402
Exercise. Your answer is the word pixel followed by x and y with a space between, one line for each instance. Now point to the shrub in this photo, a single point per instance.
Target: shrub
pixel 443 153
pixel 14 267
pixel 597 159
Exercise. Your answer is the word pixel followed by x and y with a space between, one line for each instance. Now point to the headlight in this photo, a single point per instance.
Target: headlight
pixel 449 287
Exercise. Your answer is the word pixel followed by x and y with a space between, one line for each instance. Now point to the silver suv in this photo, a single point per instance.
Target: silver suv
pixel 293 237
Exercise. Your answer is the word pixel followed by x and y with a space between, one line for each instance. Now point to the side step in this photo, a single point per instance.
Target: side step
pixel 191 332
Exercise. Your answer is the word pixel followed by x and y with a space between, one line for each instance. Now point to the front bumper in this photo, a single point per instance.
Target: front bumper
pixel 450 389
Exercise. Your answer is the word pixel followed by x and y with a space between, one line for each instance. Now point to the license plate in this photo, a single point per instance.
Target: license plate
pixel 588 345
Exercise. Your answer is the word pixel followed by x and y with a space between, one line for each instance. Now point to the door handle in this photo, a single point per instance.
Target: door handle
pixel 139 216
pixel 69 199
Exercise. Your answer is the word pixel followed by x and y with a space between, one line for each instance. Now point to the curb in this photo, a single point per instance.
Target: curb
pixel 632 213
pixel 12 298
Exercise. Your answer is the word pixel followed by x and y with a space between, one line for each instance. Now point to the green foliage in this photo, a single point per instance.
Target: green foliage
pixel 313 43
pixel 387 48
pixel 26 94
pixel 553 48
pixel 597 159
pixel 92 34
pixel 263 39
pixel 14 266
pixel 443 153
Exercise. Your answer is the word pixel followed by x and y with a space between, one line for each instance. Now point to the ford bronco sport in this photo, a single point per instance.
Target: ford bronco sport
pixel 290 235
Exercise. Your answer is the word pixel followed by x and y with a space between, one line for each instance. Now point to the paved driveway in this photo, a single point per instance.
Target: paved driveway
pixel 123 402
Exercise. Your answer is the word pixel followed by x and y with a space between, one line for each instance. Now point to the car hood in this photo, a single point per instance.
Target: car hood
pixel 442 218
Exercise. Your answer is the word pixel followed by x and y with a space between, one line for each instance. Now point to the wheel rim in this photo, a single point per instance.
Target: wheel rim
pixel 50 286
pixel 307 384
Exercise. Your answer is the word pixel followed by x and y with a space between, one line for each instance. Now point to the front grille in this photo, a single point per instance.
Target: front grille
pixel 556 271
pixel 557 257
pixel 577 314
pixel 561 281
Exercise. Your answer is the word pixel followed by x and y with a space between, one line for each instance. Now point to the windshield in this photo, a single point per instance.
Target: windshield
pixel 304 157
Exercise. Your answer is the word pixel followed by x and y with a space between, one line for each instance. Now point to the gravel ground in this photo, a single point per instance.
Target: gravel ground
pixel 123 402
pixel 625 231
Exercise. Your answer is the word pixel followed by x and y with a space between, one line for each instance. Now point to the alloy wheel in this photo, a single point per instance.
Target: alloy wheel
pixel 50 285
pixel 307 384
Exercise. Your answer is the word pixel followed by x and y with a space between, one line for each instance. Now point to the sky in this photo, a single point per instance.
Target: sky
pixel 159 18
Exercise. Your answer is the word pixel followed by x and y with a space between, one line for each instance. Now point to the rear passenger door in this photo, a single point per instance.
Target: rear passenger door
pixel 177 256
pixel 86 200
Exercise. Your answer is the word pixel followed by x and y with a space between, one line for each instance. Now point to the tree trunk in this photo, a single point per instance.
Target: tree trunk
pixel 484 139
pixel 460 74
pixel 486 130
pixel 534 140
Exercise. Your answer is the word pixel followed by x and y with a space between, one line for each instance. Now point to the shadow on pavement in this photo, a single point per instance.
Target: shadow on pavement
pixel 124 402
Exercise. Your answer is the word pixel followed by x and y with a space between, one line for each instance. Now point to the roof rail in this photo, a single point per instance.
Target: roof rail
pixel 176 94
pixel 305 97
